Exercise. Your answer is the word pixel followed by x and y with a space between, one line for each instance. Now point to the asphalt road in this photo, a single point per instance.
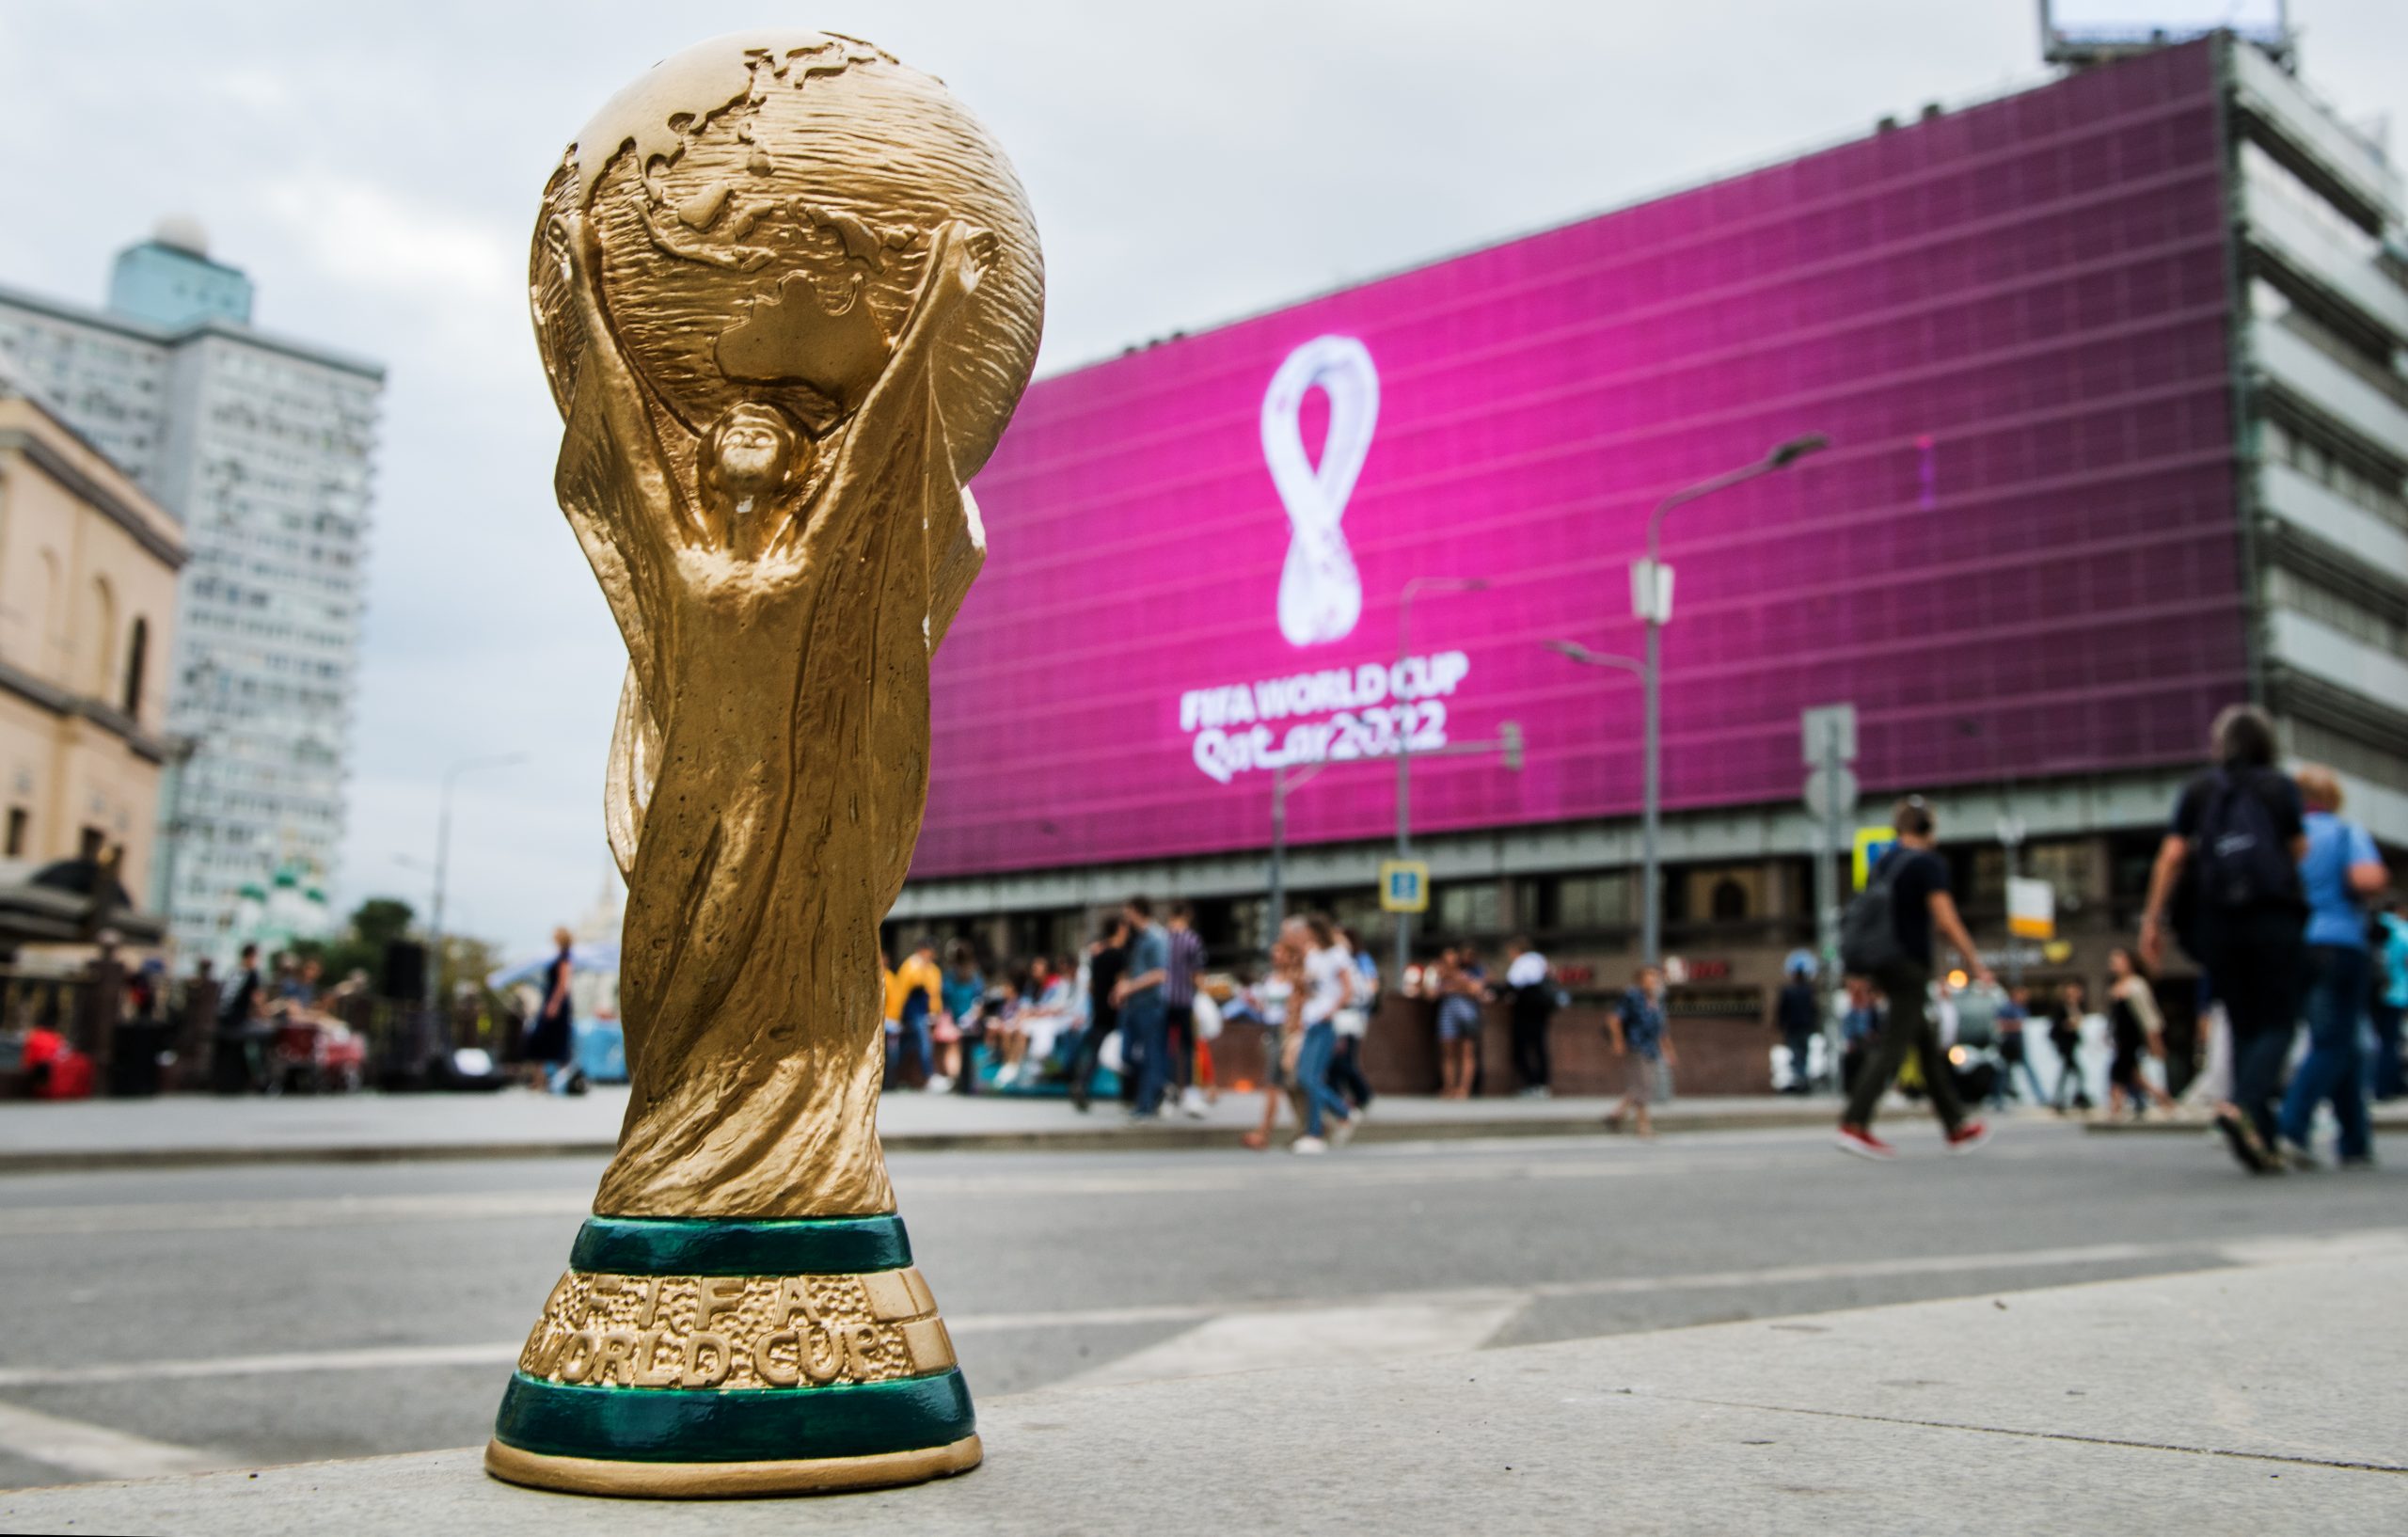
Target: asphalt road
pixel 168 1321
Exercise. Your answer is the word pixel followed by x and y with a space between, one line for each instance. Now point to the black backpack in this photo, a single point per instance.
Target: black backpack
pixel 1869 929
pixel 2244 862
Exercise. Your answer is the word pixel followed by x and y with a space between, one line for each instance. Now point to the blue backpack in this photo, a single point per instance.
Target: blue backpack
pixel 2244 862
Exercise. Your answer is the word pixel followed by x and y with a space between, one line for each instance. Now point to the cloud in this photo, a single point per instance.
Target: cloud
pixel 369 235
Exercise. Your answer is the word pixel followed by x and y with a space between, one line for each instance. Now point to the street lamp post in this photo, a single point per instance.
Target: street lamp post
pixel 1405 741
pixel 443 864
pixel 1651 594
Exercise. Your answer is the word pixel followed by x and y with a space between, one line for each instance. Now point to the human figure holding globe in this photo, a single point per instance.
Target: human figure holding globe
pixel 766 578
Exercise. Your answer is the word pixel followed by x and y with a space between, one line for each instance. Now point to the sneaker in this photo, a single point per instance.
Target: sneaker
pixel 1191 1101
pixel 2297 1158
pixel 1863 1144
pixel 2357 1161
pixel 1308 1145
pixel 2247 1150
pixel 938 1084
pixel 1969 1136
pixel 1344 1131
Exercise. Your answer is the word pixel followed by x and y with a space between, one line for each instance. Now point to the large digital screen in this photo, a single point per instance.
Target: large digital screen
pixel 2018 556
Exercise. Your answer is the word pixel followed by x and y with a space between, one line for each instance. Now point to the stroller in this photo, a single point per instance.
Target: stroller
pixel 312 1054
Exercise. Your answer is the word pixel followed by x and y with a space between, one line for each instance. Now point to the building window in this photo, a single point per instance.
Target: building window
pixel 1471 907
pixel 1591 901
pixel 137 653
pixel 19 820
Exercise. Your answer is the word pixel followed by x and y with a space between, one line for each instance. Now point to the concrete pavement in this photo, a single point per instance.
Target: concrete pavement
pixel 191 1131
pixel 2265 1399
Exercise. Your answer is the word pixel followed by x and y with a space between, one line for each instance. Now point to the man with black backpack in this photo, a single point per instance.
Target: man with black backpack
pixel 2239 832
pixel 1886 935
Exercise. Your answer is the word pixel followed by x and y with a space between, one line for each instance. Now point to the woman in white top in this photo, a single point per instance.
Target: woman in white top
pixel 1329 987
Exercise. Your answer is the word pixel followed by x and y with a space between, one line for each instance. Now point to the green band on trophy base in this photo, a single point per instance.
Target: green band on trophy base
pixel 732 1246
pixel 657 1425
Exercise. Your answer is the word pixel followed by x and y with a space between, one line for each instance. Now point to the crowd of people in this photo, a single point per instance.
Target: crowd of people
pixel 2282 902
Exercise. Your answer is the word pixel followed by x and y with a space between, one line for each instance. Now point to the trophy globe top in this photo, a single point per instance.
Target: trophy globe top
pixel 764 205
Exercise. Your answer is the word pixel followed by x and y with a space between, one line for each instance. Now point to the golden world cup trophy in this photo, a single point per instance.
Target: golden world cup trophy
pixel 788 292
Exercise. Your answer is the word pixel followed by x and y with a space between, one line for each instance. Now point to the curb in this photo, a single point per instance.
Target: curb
pixel 2390 1121
pixel 1104 1139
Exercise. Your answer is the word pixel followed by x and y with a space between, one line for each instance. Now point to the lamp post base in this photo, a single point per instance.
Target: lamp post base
pixel 708 1357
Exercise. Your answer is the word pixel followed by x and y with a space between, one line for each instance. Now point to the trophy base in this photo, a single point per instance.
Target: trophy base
pixel 729 1480
pixel 702 1358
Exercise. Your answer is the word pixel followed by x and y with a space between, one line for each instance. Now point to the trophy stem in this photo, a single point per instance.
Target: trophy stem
pixel 700 1357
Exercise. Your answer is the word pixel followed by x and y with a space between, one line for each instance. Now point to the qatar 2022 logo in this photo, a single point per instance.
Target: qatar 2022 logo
pixel 1321 596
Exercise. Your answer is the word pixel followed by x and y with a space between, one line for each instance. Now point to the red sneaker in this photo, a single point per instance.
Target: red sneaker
pixel 1969 1136
pixel 1863 1144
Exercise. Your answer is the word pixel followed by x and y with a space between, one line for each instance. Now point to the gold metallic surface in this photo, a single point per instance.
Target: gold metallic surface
pixel 787 292
pixel 736 1332
pixel 706 1480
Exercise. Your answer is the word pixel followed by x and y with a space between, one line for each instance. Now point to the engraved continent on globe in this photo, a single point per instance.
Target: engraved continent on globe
pixel 793 181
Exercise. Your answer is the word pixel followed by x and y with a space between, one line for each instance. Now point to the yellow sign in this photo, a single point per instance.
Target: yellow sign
pixel 2031 908
pixel 1871 844
pixel 1405 886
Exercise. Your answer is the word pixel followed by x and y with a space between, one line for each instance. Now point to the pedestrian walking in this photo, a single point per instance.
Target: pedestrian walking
pixel 1643 1039
pixel 1107 958
pixel 1887 934
pixel 1277 1002
pixel 962 997
pixel 2339 872
pixel 1329 987
pixel 2388 940
pixel 1797 1014
pixel 1353 1024
pixel 2238 830
pixel 1529 991
pixel 1860 1030
pixel 550 1046
pixel 238 1055
pixel 2139 1035
pixel 2013 1049
pixel 1185 964
pixel 2066 1023
pixel 1139 997
pixel 918 994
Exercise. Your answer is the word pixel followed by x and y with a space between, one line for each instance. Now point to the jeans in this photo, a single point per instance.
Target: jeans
pixel 1530 1064
pixel 914 1045
pixel 1312 1076
pixel 1179 1031
pixel 1346 1070
pixel 1801 1046
pixel 1143 1026
pixel 1910 1028
pixel 2337 992
pixel 2382 1071
pixel 2257 962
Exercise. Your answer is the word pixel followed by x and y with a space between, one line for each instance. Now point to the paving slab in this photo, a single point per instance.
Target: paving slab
pixel 186 1130
pixel 2266 1401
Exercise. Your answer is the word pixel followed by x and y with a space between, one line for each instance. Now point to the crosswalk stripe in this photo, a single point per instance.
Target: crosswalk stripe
pixel 95 1451
pixel 1344 1336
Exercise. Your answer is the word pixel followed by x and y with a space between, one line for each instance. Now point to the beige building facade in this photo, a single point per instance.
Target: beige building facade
pixel 88 600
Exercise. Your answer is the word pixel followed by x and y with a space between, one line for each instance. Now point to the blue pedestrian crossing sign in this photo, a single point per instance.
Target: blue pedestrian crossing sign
pixel 1405 886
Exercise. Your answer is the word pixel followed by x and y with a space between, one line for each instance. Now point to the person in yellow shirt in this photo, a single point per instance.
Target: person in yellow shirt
pixel 914 992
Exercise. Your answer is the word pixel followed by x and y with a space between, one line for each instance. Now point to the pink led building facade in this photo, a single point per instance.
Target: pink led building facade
pixel 2020 557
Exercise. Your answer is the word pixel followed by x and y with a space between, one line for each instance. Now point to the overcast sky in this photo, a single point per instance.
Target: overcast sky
pixel 375 169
